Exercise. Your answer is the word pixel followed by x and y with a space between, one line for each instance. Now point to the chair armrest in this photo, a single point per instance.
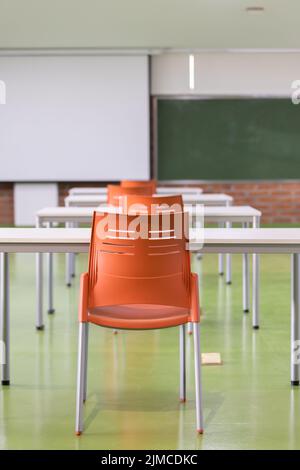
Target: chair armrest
pixel 195 304
pixel 83 297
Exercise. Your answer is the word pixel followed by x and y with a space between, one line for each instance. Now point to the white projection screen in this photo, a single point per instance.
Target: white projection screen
pixel 74 118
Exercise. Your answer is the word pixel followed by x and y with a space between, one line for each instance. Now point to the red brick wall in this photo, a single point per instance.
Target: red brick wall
pixel 279 202
pixel 6 203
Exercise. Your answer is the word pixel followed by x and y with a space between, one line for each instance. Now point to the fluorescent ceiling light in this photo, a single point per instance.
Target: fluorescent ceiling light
pixel 191 71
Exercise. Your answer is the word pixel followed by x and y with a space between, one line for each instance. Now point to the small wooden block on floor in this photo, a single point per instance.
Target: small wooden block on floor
pixel 211 359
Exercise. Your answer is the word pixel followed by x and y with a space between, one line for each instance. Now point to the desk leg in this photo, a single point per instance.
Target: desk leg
pixel 50 279
pixel 73 257
pixel 68 264
pixel 228 261
pixel 39 291
pixel 5 333
pixel 255 286
pixel 221 256
pixel 295 321
pixel 246 279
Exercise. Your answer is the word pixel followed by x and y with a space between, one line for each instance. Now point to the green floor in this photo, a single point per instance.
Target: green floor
pixel 133 376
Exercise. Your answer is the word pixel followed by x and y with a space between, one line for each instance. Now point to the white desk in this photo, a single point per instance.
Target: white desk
pixel 213 214
pixel 245 215
pixel 94 191
pixel 234 240
pixel 178 190
pixel 205 198
pixel 85 200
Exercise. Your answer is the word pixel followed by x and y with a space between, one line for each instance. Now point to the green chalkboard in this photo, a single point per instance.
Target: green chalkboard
pixel 228 139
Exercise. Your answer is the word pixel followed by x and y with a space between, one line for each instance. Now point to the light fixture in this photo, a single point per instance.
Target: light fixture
pixel 191 71
pixel 255 9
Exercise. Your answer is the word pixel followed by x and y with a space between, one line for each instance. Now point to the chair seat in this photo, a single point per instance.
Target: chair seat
pixel 138 316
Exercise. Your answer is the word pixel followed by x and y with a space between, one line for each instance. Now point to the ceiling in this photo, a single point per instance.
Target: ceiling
pixel 150 24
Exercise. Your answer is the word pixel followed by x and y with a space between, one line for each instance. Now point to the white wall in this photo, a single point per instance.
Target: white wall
pixel 226 74
pixel 29 198
pixel 74 118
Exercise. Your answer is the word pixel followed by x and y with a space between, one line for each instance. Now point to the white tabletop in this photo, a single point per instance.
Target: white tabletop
pixel 88 191
pixel 205 198
pixel 178 190
pixel 160 190
pixel 84 214
pixel 86 200
pixel 260 240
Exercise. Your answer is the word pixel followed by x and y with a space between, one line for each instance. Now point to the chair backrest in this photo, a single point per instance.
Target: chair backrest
pixel 153 268
pixel 135 204
pixel 135 183
pixel 115 192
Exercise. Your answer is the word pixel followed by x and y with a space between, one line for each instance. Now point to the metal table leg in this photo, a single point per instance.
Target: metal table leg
pixel 73 257
pixel 228 261
pixel 255 286
pixel 246 279
pixel 39 323
pixel 221 256
pixel 68 264
pixel 295 321
pixel 4 319
pixel 51 308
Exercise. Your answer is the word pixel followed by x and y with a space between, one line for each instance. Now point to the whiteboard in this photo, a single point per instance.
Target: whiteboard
pixel 74 118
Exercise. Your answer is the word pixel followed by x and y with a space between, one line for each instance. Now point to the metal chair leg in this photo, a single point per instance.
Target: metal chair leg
pixel 190 328
pixel 80 377
pixel 86 363
pixel 198 381
pixel 182 360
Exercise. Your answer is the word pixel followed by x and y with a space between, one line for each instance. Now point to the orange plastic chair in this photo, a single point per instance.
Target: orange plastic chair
pixel 135 183
pixel 139 283
pixel 116 192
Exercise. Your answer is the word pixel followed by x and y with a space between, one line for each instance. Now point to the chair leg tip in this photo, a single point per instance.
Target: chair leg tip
pixel 295 382
pixel 255 327
pixel 51 310
pixel 40 328
pixel 229 283
pixel 190 332
pixel 115 332
pixel 182 400
pixel 68 284
pixel 200 431
pixel 5 382
pixel 78 433
pixel 246 310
